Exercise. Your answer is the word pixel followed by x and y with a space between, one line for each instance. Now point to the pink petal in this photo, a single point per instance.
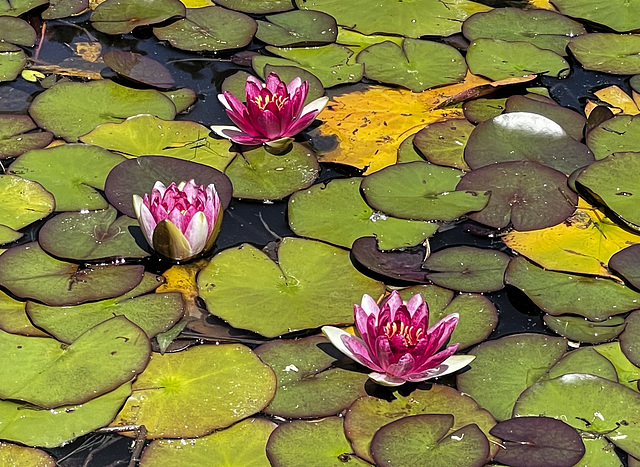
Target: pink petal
pixel 315 106
pixel 196 233
pixel 436 359
pixel 297 99
pixel 440 332
pixel 241 137
pixel 369 305
pixel 296 126
pixel 273 83
pixel 244 123
pixel 177 218
pixel 252 88
pixel 269 125
pixel 294 85
pixel 453 363
pixel 403 368
pixel 383 354
pixel 415 303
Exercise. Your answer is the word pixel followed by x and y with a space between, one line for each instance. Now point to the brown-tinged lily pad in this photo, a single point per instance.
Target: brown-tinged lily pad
pixel 479 110
pixel 17 135
pixel 572 122
pixel 403 264
pixel 260 7
pixel 625 262
pixel 63 8
pixel 123 16
pixel 43 372
pixel 630 338
pixel 139 68
pixel 18 7
pixel 525 194
pixel 297 28
pixel 28 272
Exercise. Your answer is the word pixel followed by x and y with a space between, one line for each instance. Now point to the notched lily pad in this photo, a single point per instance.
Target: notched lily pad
pixel 16 31
pixel 17 135
pixel 298 28
pixel 123 16
pixel 403 264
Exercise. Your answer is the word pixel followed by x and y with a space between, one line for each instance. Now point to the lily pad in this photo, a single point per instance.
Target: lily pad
pixel 18 7
pixel 70 110
pixel 22 456
pixel 8 235
pixel 600 452
pixel 26 424
pixel 617 134
pixel 505 367
pixel 257 6
pixel 14 319
pixel 71 172
pixel 298 28
pixel 407 151
pixel 123 16
pixel 625 262
pixel 139 68
pixel 467 269
pixel 182 98
pixel 28 272
pixel 189 394
pixel 593 405
pixel 312 382
pixel 311 443
pixel 611 53
pixel 23 202
pixel 210 28
pixel 41 371
pixel 426 440
pixel 403 264
pixel 497 59
pixel 17 137
pixel 257 174
pixel 543 28
pixel 12 61
pixel 619 15
pixel 443 142
pixel 16 31
pixel 63 8
pixel 533 441
pixel 336 213
pixel 417 65
pixel 330 63
pixel 137 176
pixel 479 110
pixel 630 338
pixel 572 122
pixel 240 444
pixel 628 373
pixel 579 329
pixel 422 191
pixel 89 236
pixel 525 136
pixel 286 296
pixel 368 414
pixel 558 293
pixel 411 19
pixel 525 194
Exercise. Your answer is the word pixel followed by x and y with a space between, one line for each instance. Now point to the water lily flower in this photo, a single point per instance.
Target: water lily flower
pixel 273 113
pixel 396 341
pixel 179 221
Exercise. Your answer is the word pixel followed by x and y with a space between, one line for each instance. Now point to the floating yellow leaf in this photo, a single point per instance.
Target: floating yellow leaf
pixel 583 244
pixel 618 100
pixel 541 5
pixel 89 51
pixel 182 278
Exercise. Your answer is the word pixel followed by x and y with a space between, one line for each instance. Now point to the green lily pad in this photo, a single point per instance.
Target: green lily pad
pixel 257 6
pixel 17 137
pixel 619 15
pixel 572 122
pixel 18 7
pixel 426 440
pixel 8 235
pixel 43 372
pixel 630 338
pixel 26 424
pixel 579 329
pixel 298 28
pixel 443 142
pixel 329 63
pixel 611 182
pixel 63 8
pixel 418 190
pixel 505 367
pixel 70 110
pixel 417 65
pixel 526 136
pixel 617 134
pixel 628 373
pixel 407 151
pixel 182 98
pixel 241 444
pixel 23 202
pixel 557 293
pixel 611 53
pixel 71 172
pixel 356 41
pixel 625 262
pixel 189 394
pixel 22 456
pixel 143 135
pixel 368 414
pixel 336 213
pixel 600 452
pixel 123 16
pixel 91 236
pixel 583 360
pixel 411 19
pixel 525 194
pixel 595 406
pixel 543 28
pixel 14 319
pixel 12 61
pixel 480 110
pixel 311 443
pixel 497 59
pixel 210 28
pixel 154 313
pixel 16 31
pixel 311 381
pixel 28 272
pixel 467 269
pixel 258 174
pixel 139 68
pixel 286 296
pixel 138 176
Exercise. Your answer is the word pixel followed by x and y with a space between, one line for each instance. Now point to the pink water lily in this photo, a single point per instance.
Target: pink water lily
pixel 397 343
pixel 273 113
pixel 179 221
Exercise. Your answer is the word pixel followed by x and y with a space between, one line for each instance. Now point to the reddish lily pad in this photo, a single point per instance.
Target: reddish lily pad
pixel 404 264
pixel 260 7
pixel 17 137
pixel 298 28
pixel 139 68
pixel 534 441
pixel 43 372
pixel 63 8
pixel 572 122
pixel 579 329
pixel 123 16
pixel 525 194
pixel 630 338
pixel 611 53
pixel 443 142
pixel 137 176
pixel 426 440
pixel 312 382
pixel 28 272
pixel 625 262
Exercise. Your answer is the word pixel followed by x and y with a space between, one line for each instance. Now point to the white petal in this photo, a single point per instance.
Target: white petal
pixel 335 336
pixel 385 380
pixel 219 129
pixel 315 106
pixel 223 101
pixel 137 202
pixel 453 364
pixel 197 232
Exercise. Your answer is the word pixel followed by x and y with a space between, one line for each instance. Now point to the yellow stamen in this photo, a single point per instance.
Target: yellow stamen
pixel 410 334
pixel 279 100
